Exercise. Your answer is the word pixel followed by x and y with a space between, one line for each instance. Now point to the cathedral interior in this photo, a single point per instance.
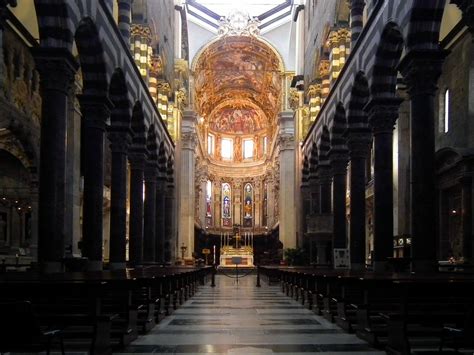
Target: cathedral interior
pixel 163 146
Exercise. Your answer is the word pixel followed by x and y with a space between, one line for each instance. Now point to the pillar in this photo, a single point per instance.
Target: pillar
pixel 119 143
pixel 421 70
pixel 170 220
pixel 286 203
pixel 466 197
pixel 359 148
pixel 299 52
pixel 339 169
pixel 357 13
pixel 124 18
pixel 95 112
pixel 160 219
pixel 187 182
pixel 382 114
pixel 149 218
pixel 137 167
pixel 57 68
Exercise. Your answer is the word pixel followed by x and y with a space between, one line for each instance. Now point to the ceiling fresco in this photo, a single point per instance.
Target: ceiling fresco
pixel 244 74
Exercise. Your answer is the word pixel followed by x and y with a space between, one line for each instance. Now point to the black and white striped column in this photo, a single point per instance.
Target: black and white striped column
pixel 124 18
pixel 357 13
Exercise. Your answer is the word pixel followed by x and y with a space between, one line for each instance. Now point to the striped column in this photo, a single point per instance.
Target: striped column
pixel 325 80
pixel 124 18
pixel 344 46
pixel 334 66
pixel 155 71
pixel 357 11
pixel 140 47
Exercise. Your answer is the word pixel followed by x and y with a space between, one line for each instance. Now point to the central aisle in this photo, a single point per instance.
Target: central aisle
pixel 243 319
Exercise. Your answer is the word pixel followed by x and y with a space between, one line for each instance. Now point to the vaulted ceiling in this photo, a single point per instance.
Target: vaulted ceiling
pixel 238 73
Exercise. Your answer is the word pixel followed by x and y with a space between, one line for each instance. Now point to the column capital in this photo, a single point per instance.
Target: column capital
pixel 189 140
pixel 359 144
pixel 324 173
pixel 57 68
pixel 95 110
pixel 151 171
pixel 421 70
pixel 137 159
pixel 120 140
pixel 383 113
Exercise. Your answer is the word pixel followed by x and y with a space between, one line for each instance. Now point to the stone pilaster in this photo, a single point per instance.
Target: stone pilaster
pixel 137 159
pixel 95 112
pixel 287 206
pixel 359 148
pixel 421 70
pixel 382 114
pixel 466 198
pixel 187 183
pixel 119 144
pixel 57 68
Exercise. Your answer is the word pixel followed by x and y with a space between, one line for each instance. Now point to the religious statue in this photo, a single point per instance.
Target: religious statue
pixel 248 209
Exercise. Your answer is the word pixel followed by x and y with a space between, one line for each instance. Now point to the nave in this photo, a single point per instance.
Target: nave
pixel 243 319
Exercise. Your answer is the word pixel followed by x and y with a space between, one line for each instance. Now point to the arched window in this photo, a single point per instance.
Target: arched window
pixel 248 205
pixel 226 148
pixel 446 111
pixel 210 144
pixel 226 205
pixel 208 203
pixel 248 148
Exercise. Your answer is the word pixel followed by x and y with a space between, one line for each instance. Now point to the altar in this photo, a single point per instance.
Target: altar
pixel 236 251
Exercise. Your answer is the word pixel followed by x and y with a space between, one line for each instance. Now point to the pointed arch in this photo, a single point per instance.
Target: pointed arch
pixel 425 22
pixel 338 131
pixel 138 127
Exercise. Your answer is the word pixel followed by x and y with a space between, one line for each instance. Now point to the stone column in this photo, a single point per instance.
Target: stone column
pixel 124 19
pixel 170 218
pixel 299 52
pixel 466 196
pixel 57 68
pixel 359 148
pixel 120 141
pixel 286 204
pixel 149 218
pixel 421 70
pixel 95 112
pixel 339 170
pixel 160 219
pixel 34 219
pixel 73 174
pixel 383 113
pixel 357 24
pixel 137 167
pixel 187 182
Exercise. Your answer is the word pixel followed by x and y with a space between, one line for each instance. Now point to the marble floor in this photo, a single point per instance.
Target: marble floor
pixel 242 319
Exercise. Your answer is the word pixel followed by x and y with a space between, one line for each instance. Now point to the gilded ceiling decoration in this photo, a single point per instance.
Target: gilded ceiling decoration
pixel 238 84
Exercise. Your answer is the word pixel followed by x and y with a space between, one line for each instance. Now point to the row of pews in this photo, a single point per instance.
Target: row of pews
pixel 101 311
pixel 394 312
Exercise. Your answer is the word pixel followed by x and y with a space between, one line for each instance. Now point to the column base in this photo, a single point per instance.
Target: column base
pixel 50 267
pixel 117 266
pixel 423 266
pixel 380 266
pixel 94 265
pixel 357 267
